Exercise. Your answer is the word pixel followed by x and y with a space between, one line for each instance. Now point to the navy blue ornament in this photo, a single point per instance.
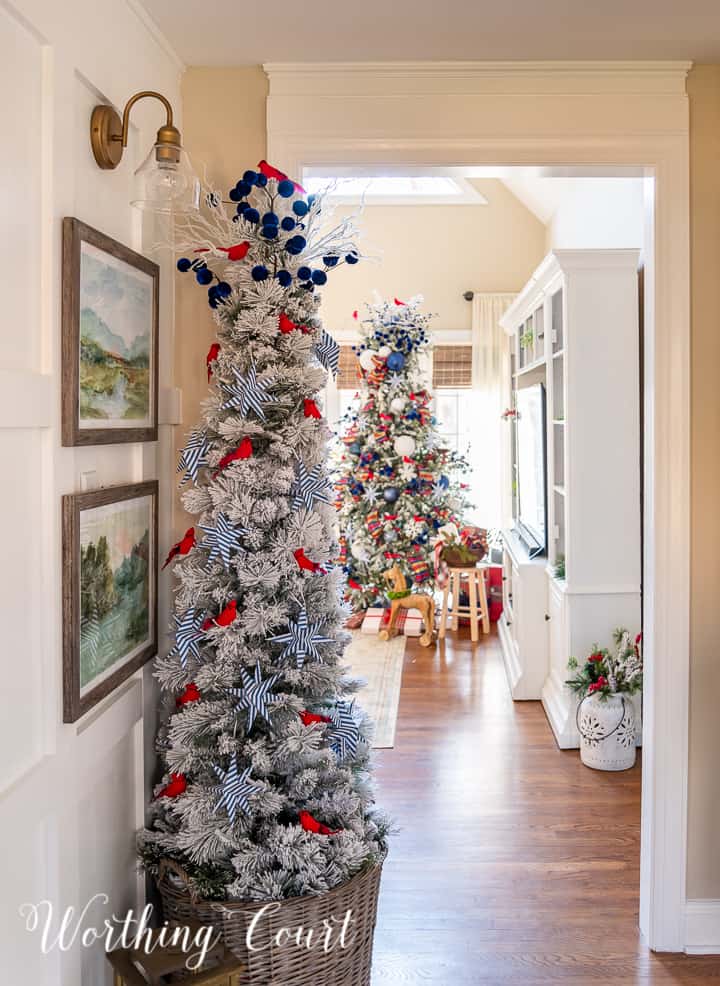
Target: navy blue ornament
pixel 204 276
pixel 251 215
pixel 288 223
pixel 260 180
pixel 296 244
pixel 351 258
pixel 319 277
pixel 443 482
pixel 311 198
pixel 243 188
pixel 184 264
pixel 250 177
pixel 387 470
pixel 242 208
pixel 234 194
pixel 270 232
pixel 304 273
pixel 300 208
pixel 284 277
pixel 391 493
pixel 271 219
pixel 395 362
pixel 259 272
pixel 285 188
pixel 308 286
pixel 223 289
pixel 330 261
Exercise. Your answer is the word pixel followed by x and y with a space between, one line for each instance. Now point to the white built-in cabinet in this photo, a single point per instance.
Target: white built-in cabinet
pixel 574 327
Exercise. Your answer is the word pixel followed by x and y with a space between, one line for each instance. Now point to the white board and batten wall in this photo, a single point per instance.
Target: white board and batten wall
pixel 71 796
pixel 582 306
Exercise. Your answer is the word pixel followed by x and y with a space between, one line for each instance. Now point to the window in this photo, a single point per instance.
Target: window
pixel 452 367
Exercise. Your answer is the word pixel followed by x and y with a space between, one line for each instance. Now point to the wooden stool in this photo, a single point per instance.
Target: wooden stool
pixel 476 586
pixel 136 968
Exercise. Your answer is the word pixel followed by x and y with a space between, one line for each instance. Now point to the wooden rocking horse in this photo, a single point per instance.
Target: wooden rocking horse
pixel 411 600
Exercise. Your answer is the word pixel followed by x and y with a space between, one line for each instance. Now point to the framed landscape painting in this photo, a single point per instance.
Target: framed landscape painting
pixel 109 590
pixel 110 340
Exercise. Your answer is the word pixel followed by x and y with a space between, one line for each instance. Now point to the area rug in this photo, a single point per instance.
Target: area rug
pixel 380 664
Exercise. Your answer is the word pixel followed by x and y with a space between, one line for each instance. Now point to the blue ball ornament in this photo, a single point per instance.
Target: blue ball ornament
pixel 243 188
pixel 284 277
pixel 250 177
pixel 184 264
pixel 261 180
pixel 296 244
pixel 285 188
pixel 330 261
pixel 311 198
pixel 242 208
pixel 319 277
pixel 391 493
pixel 223 289
pixel 351 258
pixel 300 207
pixel 251 216
pixel 204 276
pixel 234 194
pixel 271 219
pixel 443 482
pixel 304 273
pixel 288 223
pixel 259 272
pixel 270 232
pixel 395 362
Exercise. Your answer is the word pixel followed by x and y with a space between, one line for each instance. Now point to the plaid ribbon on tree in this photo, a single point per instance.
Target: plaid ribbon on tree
pixel 374 524
pixel 419 568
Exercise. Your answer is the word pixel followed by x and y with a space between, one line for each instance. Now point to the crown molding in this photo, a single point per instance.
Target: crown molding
pixel 157 34
pixel 393 79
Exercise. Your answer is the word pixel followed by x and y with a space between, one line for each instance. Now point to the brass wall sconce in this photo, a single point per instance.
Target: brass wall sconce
pixel 165 180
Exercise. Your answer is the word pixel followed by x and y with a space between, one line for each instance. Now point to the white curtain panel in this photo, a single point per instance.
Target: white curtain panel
pixel 491 386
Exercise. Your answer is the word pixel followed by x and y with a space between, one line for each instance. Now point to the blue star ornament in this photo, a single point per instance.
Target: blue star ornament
pixel 188 631
pixel 301 639
pixel 344 731
pixel 247 393
pixel 255 695
pixel 193 456
pixel 221 540
pixel 235 789
pixel 310 486
pixel 328 352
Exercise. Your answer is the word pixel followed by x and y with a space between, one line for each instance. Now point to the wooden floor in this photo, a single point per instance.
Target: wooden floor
pixel 513 863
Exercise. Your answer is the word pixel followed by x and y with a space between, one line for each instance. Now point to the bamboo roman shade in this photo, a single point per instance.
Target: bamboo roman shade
pixel 452 366
pixel 347 378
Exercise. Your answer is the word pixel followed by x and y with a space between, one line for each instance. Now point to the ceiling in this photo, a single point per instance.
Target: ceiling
pixel 228 32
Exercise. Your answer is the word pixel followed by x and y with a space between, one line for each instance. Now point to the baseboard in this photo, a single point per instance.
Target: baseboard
pixel 560 711
pixel 702 927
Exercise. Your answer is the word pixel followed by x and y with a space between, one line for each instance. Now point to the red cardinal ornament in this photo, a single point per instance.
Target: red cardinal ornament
pixel 243 451
pixel 211 357
pixel 310 409
pixel 237 252
pixel 398 302
pixel 270 172
pixel 182 547
pixel 311 824
pixel 354 585
pixel 223 619
pixel 306 564
pixel 355 314
pixel 285 324
pixel 177 786
pixel 191 694
pixel 308 718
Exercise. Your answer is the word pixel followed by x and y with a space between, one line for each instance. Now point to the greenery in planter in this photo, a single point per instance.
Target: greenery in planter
pixel 605 673
pixel 559 569
pixel 526 339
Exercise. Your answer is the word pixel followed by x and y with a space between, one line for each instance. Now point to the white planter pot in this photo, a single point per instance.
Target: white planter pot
pixel 607 732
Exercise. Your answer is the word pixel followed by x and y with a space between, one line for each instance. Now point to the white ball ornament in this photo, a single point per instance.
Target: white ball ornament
pixel 384 351
pixel 397 404
pixel 359 551
pixel 366 359
pixel 404 445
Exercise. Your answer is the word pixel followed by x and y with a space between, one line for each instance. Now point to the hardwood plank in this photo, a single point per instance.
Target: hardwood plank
pixel 513 863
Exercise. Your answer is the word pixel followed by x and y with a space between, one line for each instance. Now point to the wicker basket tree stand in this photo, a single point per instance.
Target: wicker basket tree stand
pixel 323 940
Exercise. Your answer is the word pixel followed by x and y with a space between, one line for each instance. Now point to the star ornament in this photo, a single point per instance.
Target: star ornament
pixel 247 393
pixel 188 631
pixel 395 382
pixel 328 352
pixel 344 731
pixel 193 456
pixel 310 486
pixel 235 789
pixel 255 695
pixel 221 540
pixel 301 639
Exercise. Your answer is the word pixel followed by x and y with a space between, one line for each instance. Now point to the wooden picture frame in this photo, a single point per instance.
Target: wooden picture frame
pixel 110 590
pixel 109 340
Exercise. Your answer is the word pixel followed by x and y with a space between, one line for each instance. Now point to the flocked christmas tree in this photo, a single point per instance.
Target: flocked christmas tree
pixel 398 482
pixel 266 790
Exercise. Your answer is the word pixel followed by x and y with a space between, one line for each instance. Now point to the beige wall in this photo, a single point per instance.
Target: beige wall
pixel 704 812
pixel 224 133
pixel 438 251
pixel 224 126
